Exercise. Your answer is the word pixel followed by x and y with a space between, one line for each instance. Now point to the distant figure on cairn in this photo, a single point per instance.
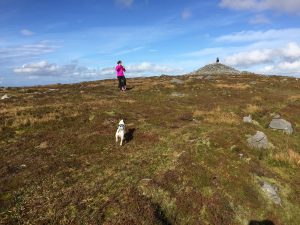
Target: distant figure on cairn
pixel 217 60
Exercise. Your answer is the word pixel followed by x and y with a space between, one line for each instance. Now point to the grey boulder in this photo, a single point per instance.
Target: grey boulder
pixel 259 141
pixel 281 124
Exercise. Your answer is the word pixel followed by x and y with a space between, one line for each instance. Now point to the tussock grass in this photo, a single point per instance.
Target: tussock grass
pixel 290 157
pixel 238 86
pixel 253 108
pixel 218 116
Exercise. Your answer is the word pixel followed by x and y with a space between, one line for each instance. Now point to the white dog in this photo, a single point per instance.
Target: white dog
pixel 120 132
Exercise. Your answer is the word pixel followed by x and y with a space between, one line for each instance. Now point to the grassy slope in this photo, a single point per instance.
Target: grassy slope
pixel 181 167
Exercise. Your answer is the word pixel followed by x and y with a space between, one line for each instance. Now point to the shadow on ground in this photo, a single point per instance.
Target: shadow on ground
pixel 129 135
pixel 263 222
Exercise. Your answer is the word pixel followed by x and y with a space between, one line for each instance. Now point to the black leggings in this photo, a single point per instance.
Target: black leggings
pixel 122 82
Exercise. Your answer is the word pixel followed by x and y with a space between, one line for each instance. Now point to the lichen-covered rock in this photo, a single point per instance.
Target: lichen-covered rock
pixel 259 141
pixel 272 192
pixel 281 124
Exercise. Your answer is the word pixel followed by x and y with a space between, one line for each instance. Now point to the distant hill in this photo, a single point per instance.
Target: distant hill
pixel 216 69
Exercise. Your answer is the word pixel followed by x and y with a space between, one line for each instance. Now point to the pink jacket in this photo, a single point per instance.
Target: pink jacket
pixel 120 70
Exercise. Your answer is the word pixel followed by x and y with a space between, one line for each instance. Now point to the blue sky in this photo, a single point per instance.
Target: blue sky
pixel 43 42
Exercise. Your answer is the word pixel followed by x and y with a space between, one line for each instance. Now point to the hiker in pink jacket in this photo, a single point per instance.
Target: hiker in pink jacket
pixel 120 74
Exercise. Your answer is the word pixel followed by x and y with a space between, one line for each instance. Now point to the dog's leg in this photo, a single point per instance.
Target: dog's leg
pixel 121 143
pixel 116 138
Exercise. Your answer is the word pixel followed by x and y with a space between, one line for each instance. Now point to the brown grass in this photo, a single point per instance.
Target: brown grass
pixel 257 98
pixel 218 116
pixel 290 157
pixel 25 120
pixel 294 97
pixel 252 108
pixel 238 86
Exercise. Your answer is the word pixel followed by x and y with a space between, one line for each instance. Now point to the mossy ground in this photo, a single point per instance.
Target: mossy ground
pixel 60 163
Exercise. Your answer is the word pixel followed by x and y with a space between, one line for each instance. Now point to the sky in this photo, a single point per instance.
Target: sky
pixel 67 41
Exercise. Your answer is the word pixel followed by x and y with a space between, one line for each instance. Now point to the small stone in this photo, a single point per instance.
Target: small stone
pixel 146 180
pixel 4 97
pixel 281 124
pixel 23 166
pixel 271 192
pixel 259 141
pixel 43 145
pixel 247 119
pixel 176 94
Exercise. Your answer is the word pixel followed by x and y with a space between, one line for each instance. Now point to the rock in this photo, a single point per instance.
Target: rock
pixel 277 116
pixel 43 145
pixel 247 119
pixel 176 94
pixel 281 124
pixel 4 97
pixel 177 81
pixel 259 141
pixel 209 77
pixel 23 166
pixel 271 192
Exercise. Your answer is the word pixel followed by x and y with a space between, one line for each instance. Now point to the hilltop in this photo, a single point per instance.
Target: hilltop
pixel 187 159
pixel 216 69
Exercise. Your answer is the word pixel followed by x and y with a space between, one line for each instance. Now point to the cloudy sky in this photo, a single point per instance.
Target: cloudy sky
pixel 64 41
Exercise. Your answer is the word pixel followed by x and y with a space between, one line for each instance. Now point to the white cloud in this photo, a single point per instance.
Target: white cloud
pixel 259 19
pixel 283 68
pixel 278 60
pixel 26 51
pixel 26 32
pixel 292 50
pixel 250 58
pixel 43 68
pixel 186 14
pixel 73 70
pixel 146 68
pixel 288 6
pixel 251 36
pixel 124 3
